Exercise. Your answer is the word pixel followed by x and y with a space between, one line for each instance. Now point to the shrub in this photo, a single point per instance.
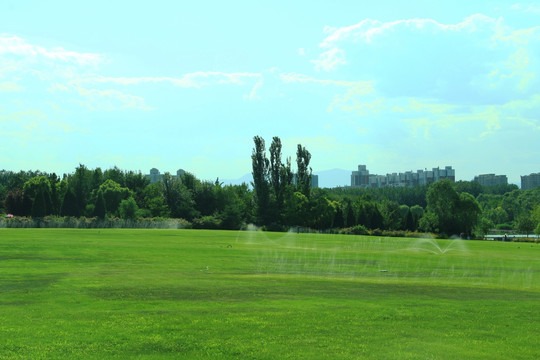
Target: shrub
pixel 276 227
pixel 376 232
pixel 394 233
pixel 505 226
pixel 207 222
pixel 355 230
pixel 94 223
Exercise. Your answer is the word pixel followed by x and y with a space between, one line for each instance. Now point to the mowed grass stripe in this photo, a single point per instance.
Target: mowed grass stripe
pixel 216 294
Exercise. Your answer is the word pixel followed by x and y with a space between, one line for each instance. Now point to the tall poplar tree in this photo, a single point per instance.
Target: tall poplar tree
pixel 260 165
pixel 275 169
pixel 303 176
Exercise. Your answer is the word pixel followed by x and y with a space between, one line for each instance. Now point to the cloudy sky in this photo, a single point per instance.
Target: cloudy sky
pixel 394 85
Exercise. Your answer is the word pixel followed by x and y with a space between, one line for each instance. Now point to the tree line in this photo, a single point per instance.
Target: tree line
pixel 277 199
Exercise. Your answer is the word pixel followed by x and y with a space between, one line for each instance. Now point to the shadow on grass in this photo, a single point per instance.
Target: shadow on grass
pixel 28 282
pixel 257 289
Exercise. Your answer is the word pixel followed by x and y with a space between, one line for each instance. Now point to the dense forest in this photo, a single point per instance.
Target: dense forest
pixel 277 199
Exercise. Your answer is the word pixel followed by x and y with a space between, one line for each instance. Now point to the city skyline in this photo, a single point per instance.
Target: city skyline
pixel 346 180
pixel 398 85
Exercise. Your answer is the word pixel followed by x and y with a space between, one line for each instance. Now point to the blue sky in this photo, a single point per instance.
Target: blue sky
pixel 394 85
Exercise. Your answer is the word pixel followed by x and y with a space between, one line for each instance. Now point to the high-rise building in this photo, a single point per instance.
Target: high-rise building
pixel 491 179
pixel 530 181
pixel 156 176
pixel 314 180
pixel 362 177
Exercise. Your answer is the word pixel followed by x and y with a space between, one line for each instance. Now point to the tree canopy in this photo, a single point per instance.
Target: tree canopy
pixel 279 197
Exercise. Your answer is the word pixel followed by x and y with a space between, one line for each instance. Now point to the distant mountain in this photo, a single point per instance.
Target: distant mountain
pixel 247 178
pixel 327 178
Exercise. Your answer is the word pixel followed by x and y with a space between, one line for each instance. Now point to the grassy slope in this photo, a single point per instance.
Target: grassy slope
pixel 202 294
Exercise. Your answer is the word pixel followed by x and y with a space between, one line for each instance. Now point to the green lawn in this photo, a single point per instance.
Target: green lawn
pixel 194 294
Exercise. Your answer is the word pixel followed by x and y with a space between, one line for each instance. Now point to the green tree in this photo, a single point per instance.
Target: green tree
pixel 468 213
pixel 245 202
pixel 496 215
pixel 113 194
pixel 369 214
pixel 321 211
pixel 455 213
pixel 97 178
pixel 391 213
pixel 303 175
pixel 429 223
pixel 275 168
pixel 39 189
pixel 128 208
pixel 100 209
pixel 205 198
pixel 230 209
pixel 286 176
pixel 260 168
pixel 3 194
pixel 472 187
pixel 364 214
pixel 339 219
pixel 536 213
pixel 275 174
pixel 526 224
pixel 154 201
pixel 70 206
pixel 484 225
pixel 178 198
pixel 189 180
pixel 39 207
pixel 297 210
pixel 16 180
pixel 116 175
pixel 55 196
pixel 403 209
pixel 442 201
pixel 350 218
pixel 409 221
pixel 417 212
pixel 136 183
pixel 80 183
pixel 511 205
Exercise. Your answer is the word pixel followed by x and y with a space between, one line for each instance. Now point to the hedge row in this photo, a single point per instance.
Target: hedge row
pixel 93 223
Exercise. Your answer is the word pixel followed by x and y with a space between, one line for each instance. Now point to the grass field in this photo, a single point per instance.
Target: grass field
pixel 188 294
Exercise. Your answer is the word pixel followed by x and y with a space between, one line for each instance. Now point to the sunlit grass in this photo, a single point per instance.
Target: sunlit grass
pixel 215 294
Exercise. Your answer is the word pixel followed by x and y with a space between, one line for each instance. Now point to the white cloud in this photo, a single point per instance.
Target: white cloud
pixel 369 31
pixel 479 60
pixel 109 100
pixel 301 78
pixel 330 59
pixel 195 80
pixel 528 8
pixel 253 93
pixel 28 125
pixel 14 45
pixel 10 86
pixel 481 122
